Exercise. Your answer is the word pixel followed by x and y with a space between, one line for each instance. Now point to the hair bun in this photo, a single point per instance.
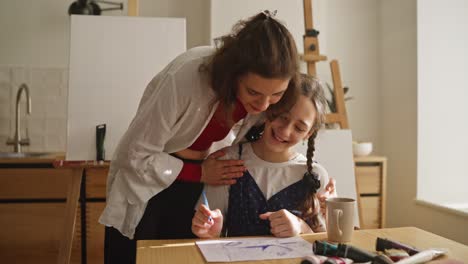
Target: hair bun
pixel 312 180
pixel 269 14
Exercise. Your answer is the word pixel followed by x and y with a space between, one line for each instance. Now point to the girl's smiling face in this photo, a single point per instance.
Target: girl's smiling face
pixel 291 127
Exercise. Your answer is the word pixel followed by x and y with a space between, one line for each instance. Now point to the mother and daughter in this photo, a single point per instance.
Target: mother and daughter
pixel 163 161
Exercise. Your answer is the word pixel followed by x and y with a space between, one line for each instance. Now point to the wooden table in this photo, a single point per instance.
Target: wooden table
pixel 185 251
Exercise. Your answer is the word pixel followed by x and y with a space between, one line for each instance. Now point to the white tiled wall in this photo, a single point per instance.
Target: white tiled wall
pixel 46 126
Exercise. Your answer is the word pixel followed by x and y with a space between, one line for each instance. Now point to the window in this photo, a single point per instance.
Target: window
pixel 443 103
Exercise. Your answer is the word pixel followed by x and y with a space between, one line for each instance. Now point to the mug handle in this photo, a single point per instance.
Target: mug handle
pixel 337 214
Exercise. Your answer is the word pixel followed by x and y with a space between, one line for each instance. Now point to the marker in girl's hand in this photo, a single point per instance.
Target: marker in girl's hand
pixel 205 202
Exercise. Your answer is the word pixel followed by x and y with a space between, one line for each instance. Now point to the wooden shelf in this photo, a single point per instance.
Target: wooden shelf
pixel 371 175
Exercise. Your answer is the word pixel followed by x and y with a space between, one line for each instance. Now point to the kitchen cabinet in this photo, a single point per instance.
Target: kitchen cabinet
pixel 32 210
pixel 88 231
pixel 371 175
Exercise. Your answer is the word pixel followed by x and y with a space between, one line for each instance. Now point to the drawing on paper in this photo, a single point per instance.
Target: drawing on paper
pixel 254 249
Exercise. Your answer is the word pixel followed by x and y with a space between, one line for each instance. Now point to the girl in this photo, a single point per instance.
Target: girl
pixel 155 176
pixel 274 196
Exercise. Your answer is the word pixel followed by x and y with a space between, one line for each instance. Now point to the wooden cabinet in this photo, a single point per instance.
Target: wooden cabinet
pixel 32 204
pixel 32 210
pixel 371 174
pixel 90 209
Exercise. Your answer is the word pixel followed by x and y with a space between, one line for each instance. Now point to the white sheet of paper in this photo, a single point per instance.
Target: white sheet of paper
pixel 259 248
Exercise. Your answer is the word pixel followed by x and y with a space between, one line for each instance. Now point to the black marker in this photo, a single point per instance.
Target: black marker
pixel 354 253
pixel 382 243
pixel 100 135
pixel 324 248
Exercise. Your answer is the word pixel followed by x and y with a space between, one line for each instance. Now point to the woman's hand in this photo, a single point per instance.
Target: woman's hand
pixel 221 172
pixel 207 223
pixel 284 224
pixel 329 192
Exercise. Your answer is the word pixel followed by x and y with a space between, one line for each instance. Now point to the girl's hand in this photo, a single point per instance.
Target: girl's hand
pixel 285 224
pixel 221 172
pixel 207 223
pixel 329 192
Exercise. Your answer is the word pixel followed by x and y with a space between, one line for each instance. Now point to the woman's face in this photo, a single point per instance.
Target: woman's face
pixel 257 93
pixel 291 127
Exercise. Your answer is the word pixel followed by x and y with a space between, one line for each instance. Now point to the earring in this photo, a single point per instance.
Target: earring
pixel 303 142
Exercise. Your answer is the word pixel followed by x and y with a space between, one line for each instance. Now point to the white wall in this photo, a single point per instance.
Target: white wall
pixel 196 13
pixel 442 95
pixel 225 13
pixel 351 35
pixel 399 124
pixel 36 33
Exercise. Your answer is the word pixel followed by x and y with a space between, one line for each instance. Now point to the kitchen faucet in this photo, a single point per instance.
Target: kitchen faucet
pixel 17 141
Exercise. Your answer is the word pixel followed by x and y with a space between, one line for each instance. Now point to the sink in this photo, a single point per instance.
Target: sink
pixel 16 155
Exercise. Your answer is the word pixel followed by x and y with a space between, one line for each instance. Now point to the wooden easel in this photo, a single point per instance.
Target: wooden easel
pixel 311 56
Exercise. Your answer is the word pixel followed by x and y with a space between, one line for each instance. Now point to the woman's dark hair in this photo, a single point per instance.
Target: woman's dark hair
pixel 260 45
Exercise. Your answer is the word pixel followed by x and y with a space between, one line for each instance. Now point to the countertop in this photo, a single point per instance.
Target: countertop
pixel 47 158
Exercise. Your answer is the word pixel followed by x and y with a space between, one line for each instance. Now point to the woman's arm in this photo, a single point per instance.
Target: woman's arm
pixel 192 154
pixel 141 168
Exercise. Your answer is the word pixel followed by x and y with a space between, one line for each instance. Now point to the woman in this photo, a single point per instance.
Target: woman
pixel 156 177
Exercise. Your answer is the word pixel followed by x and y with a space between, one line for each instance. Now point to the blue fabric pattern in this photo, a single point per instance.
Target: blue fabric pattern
pixel 247 202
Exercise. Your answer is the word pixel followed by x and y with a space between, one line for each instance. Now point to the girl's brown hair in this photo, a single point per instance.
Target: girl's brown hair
pixel 311 88
pixel 310 207
pixel 260 45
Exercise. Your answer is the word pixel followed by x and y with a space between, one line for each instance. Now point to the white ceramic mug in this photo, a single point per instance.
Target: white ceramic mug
pixel 340 219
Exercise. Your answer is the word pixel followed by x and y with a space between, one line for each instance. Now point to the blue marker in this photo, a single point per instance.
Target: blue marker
pixel 205 202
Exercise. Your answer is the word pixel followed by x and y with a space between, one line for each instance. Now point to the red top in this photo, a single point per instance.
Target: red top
pixel 214 131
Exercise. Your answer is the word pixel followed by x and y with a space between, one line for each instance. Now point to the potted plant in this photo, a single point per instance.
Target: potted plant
pixel 331 99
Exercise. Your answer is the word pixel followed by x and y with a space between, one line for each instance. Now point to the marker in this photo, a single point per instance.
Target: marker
pixel 382 243
pixel 324 248
pixel 205 202
pixel 354 253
